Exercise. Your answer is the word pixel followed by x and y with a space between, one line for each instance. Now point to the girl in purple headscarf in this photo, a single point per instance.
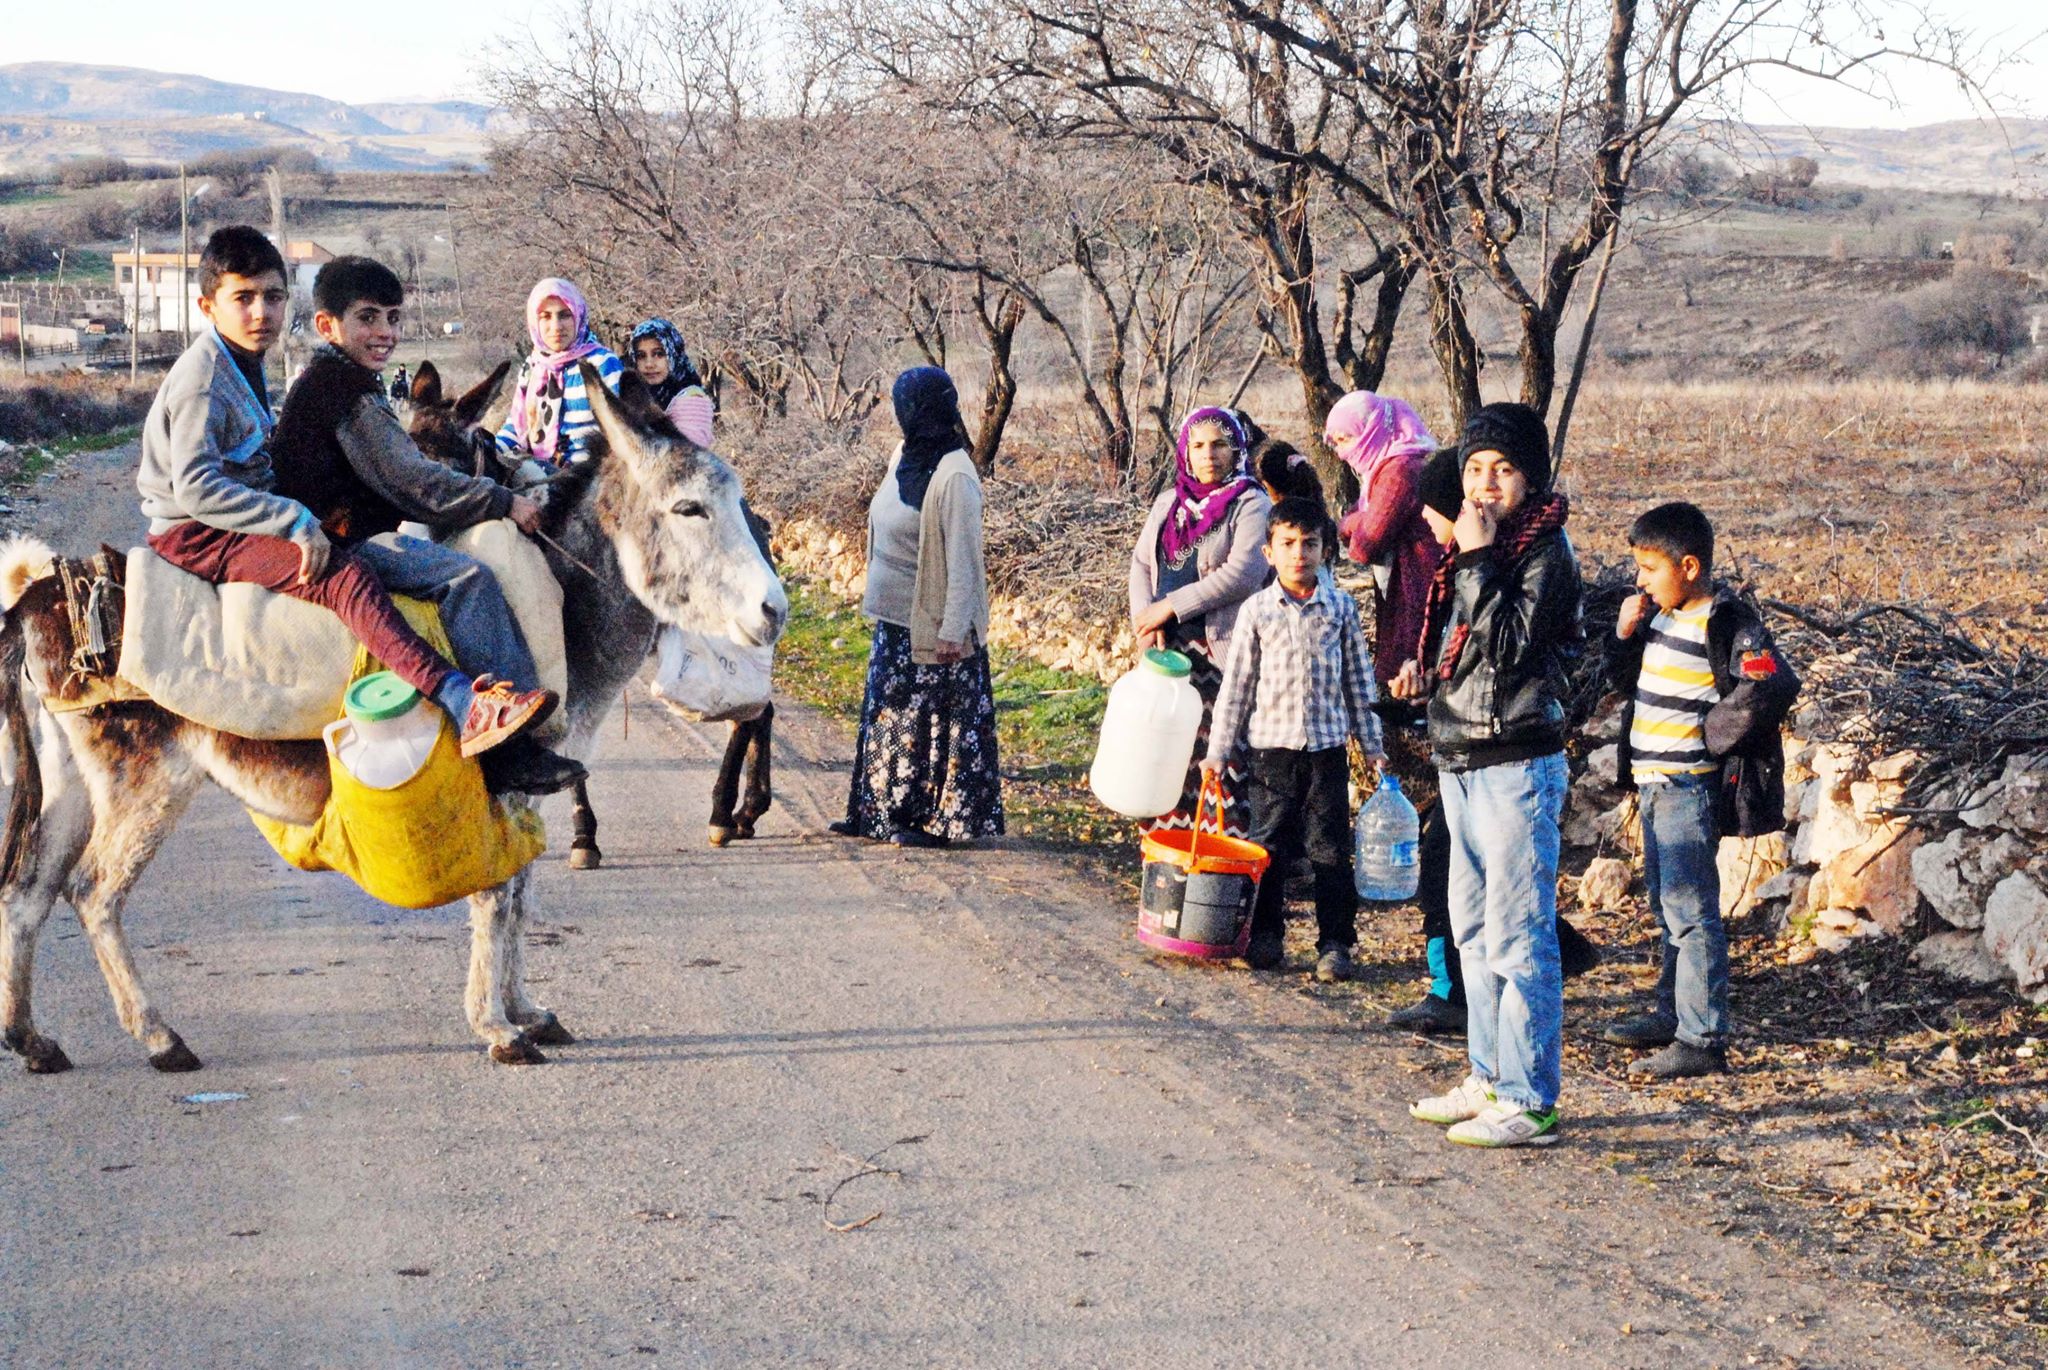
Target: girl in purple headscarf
pixel 1199 557
pixel 551 419
pixel 1385 442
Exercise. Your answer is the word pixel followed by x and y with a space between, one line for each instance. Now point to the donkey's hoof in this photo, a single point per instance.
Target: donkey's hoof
pixel 175 1058
pixel 520 1051
pixel 585 858
pixel 720 836
pixel 43 1056
pixel 547 1031
pixel 744 832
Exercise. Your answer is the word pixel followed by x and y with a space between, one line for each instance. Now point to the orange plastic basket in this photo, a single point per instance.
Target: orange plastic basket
pixel 1200 886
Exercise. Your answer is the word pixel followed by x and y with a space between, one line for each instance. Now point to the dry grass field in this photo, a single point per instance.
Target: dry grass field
pixel 1828 494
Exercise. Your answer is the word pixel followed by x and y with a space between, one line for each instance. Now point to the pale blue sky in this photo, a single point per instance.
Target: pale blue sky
pixel 431 49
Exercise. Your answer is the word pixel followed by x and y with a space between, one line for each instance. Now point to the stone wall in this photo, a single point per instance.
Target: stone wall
pixel 1970 886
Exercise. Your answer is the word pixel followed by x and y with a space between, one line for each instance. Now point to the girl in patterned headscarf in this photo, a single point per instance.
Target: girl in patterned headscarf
pixel 551 418
pixel 662 360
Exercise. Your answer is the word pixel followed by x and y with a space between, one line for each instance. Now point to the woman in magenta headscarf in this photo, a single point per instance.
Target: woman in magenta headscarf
pixel 1201 554
pixel 1385 442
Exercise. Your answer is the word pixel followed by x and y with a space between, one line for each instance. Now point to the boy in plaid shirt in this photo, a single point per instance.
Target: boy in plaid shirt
pixel 1298 686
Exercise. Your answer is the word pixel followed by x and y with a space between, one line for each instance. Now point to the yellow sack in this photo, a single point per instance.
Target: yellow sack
pixel 436 838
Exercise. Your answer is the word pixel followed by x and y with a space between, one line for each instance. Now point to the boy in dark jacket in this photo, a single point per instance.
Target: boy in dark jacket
pixel 342 453
pixel 1499 623
pixel 1700 746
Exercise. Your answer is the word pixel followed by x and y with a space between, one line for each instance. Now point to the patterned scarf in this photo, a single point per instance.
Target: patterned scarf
pixel 537 397
pixel 928 412
pixel 681 373
pixel 1198 507
pixel 1539 515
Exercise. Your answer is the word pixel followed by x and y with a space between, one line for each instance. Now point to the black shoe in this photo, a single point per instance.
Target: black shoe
pixel 1680 1060
pixel 1334 964
pixel 1641 1033
pixel 1430 1015
pixel 845 827
pixel 523 766
pixel 916 837
pixel 1266 952
pixel 1576 952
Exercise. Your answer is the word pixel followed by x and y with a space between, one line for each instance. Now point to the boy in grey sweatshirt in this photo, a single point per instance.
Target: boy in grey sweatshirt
pixel 208 490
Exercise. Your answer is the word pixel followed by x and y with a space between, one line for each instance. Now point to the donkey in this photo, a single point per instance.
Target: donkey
pixel 647 531
pixel 749 747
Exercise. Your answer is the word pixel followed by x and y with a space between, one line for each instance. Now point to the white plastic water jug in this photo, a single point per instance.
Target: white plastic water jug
pixel 1148 737
pixel 1386 845
pixel 386 733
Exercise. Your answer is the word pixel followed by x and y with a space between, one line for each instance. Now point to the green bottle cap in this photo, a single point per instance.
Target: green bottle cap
pixel 379 696
pixel 1168 663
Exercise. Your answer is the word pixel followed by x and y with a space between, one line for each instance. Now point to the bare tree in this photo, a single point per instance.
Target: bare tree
pixel 1222 107
pixel 668 166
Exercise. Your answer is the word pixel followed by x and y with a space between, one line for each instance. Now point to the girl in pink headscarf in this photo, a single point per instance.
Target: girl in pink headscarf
pixel 551 418
pixel 1386 443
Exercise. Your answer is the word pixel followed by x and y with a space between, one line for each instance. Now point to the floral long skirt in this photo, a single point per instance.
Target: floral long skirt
pixel 1207 678
pixel 926 757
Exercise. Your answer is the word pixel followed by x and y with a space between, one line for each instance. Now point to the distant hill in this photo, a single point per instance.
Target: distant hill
pixel 1960 156
pixel 53 111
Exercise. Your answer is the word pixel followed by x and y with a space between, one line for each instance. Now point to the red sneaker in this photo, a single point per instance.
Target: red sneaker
pixel 500 713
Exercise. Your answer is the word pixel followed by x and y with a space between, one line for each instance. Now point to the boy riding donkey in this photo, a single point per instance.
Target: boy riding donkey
pixel 321 524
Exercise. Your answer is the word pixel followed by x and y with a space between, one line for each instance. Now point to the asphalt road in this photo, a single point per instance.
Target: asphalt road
pixel 833 1105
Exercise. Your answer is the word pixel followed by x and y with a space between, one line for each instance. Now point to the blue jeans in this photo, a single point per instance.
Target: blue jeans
pixel 1504 844
pixel 1679 842
pixel 479 623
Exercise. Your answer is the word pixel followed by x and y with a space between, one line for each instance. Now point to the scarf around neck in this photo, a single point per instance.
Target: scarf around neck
pixel 1197 507
pixel 682 374
pixel 537 396
pixel 928 412
pixel 1539 516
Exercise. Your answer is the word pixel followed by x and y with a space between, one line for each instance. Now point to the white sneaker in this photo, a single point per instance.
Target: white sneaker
pixel 1468 1100
pixel 1506 1124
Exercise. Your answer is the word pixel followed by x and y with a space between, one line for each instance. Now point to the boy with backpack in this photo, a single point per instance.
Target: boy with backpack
pixel 1700 747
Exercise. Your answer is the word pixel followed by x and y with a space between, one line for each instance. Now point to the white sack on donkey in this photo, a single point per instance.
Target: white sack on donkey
pixel 709 679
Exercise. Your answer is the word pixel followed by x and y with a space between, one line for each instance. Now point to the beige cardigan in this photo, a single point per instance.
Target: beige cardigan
pixel 925 568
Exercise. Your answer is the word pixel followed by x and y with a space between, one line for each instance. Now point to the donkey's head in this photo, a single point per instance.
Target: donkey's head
pixel 672 512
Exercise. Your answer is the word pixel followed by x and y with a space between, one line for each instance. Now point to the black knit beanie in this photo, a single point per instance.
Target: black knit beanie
pixel 1516 432
pixel 1442 483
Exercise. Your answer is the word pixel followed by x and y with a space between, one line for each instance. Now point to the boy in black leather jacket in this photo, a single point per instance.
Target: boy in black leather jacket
pixel 1707 689
pixel 1501 621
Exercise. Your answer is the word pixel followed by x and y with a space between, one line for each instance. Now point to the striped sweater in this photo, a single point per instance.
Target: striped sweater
pixel 578 423
pixel 1674 691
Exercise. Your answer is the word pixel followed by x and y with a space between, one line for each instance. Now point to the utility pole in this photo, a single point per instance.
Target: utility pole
pixel 455 258
pixel 184 263
pixel 276 181
pixel 419 287
pixel 135 333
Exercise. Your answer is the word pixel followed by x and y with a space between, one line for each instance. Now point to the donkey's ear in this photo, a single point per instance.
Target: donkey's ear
pixel 623 427
pixel 426 385
pixel 635 395
pixel 479 396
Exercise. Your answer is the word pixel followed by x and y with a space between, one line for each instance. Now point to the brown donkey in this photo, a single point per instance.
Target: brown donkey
pixel 647 531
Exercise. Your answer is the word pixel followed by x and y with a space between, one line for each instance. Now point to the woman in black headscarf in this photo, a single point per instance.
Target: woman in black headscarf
pixel 924 769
